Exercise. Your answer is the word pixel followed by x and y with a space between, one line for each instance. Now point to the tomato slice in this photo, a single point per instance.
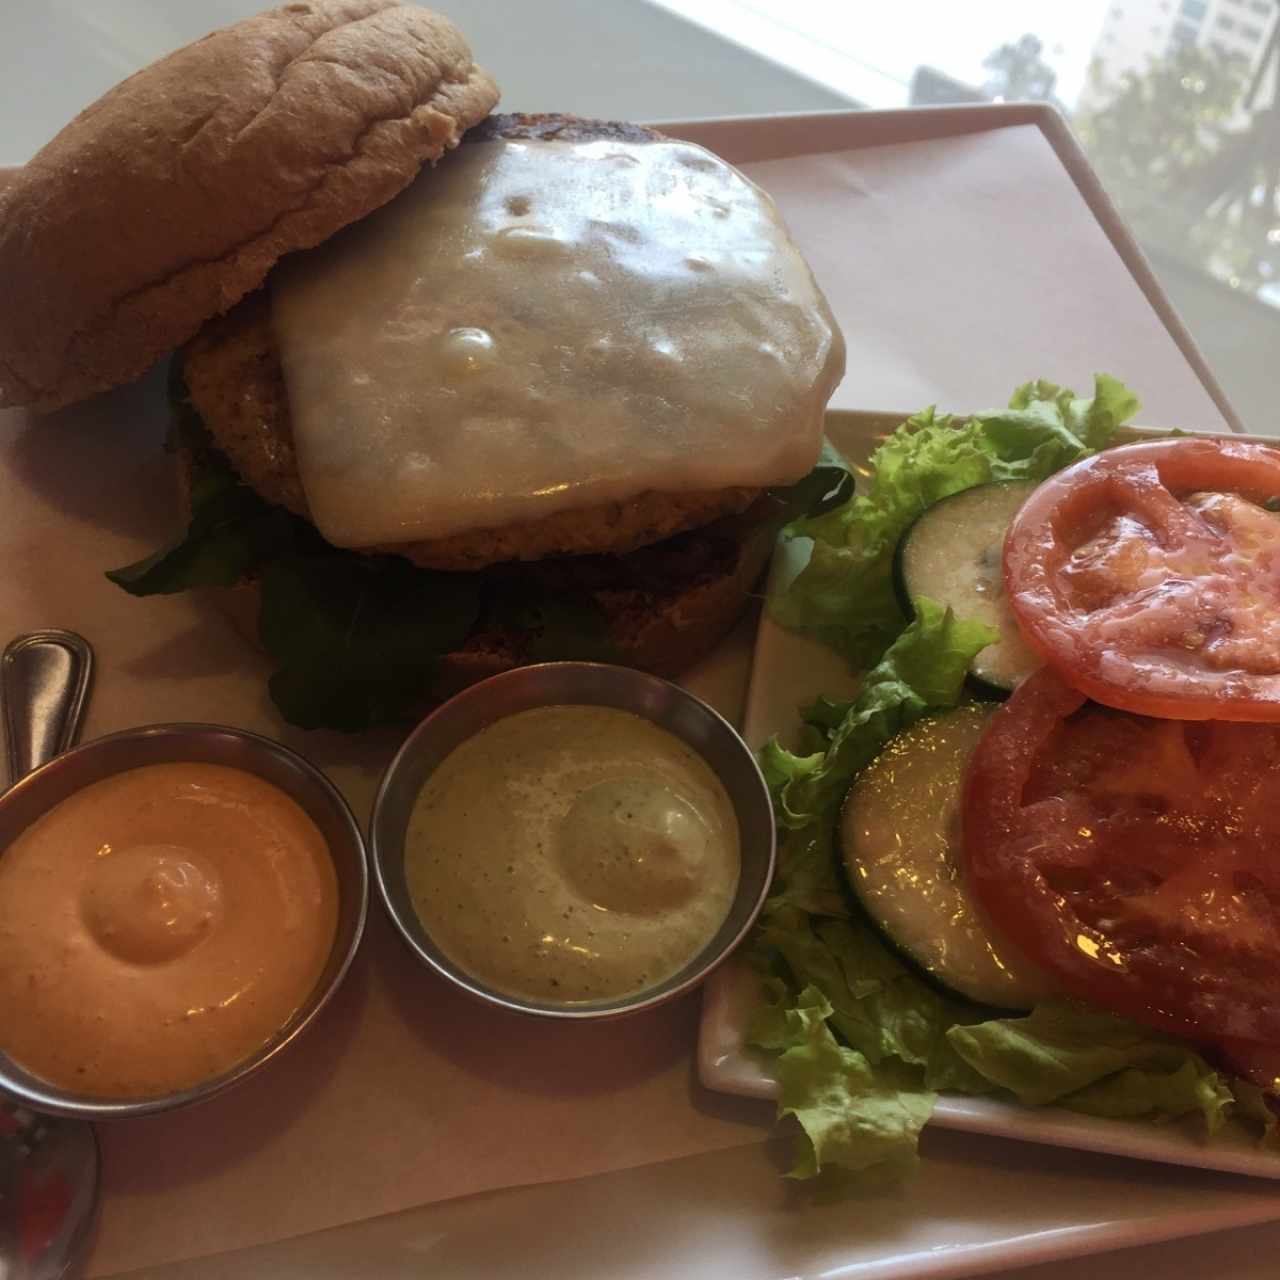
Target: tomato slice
pixel 1137 860
pixel 1149 577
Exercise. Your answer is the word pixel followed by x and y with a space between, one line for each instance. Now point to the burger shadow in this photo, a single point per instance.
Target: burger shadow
pixel 153 1153
pixel 102 461
pixel 218 640
pixel 189 654
pixel 544 1057
pixel 353 762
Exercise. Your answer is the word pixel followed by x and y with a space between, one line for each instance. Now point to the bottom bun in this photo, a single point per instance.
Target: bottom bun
pixel 662 632
pixel 664 607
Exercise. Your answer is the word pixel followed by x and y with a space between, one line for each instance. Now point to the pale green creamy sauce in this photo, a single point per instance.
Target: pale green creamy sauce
pixel 572 854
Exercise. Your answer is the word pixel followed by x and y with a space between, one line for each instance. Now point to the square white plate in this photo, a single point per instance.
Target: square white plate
pixel 789 670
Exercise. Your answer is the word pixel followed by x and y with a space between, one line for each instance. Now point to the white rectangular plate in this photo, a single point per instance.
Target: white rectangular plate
pixel 788 671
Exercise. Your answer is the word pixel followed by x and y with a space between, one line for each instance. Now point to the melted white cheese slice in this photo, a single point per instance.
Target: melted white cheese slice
pixel 544 326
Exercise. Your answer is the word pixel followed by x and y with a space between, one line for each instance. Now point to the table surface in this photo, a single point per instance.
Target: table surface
pixel 57 59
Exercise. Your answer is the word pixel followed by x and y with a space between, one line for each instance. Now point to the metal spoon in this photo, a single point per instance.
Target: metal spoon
pixel 48 1166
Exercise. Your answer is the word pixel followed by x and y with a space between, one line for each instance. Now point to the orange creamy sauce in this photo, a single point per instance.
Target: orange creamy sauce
pixel 159 926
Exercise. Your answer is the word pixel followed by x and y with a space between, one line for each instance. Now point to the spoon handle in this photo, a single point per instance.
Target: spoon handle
pixel 44 684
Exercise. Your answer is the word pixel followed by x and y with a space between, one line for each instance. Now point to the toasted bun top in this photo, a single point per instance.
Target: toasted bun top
pixel 173 195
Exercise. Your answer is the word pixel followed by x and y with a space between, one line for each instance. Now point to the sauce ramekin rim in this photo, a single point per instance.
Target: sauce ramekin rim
pixel 704 963
pixel 47 1099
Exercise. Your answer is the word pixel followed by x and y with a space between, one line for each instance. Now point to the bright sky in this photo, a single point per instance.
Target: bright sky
pixel 869 50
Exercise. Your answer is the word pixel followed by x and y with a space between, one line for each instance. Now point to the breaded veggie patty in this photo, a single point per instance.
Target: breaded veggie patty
pixel 235 381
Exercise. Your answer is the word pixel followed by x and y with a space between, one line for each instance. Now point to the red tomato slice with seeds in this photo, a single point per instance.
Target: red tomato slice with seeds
pixel 1137 860
pixel 1148 576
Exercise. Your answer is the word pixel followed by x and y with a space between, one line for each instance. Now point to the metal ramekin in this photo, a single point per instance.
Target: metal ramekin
pixel 577 684
pixel 38 792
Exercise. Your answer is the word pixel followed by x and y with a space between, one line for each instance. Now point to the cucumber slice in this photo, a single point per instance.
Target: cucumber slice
pixel 953 555
pixel 900 844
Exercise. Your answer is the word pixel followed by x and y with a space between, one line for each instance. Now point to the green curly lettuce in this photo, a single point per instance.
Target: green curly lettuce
pixel 860 1043
pixel 845 595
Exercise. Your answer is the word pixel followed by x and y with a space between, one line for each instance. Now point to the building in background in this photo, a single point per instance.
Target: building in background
pixel 1138 33
pixel 933 88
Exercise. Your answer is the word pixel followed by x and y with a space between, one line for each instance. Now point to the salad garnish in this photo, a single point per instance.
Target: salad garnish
pixel 860 1042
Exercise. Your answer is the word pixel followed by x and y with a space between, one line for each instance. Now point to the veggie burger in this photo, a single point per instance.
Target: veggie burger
pixel 455 391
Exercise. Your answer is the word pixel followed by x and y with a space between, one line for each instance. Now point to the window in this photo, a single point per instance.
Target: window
pixel 1150 144
pixel 1224 23
pixel 1248 32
